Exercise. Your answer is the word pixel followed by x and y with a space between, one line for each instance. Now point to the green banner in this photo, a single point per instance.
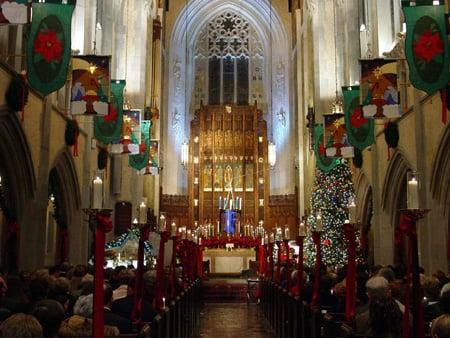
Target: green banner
pixel 324 163
pixel 49 45
pixel 108 129
pixel 360 130
pixel 426 46
pixel 141 160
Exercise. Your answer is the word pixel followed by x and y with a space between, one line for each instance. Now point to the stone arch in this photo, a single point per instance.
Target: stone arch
pixel 16 163
pixel 440 177
pixel 180 78
pixel 394 186
pixel 63 180
pixel 18 183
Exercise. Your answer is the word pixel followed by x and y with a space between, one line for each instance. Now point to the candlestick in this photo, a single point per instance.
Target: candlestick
pixel 162 223
pixel 97 193
pixel 287 234
pixel 142 213
pixel 413 191
pixel 218 228
pixel 302 230
pixel 231 203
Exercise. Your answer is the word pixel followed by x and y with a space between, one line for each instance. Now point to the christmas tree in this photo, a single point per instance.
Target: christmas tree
pixel 331 194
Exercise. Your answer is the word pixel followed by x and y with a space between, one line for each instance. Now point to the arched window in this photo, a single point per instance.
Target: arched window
pixel 228 62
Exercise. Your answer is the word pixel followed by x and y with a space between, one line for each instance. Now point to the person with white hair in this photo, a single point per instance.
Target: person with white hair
pixel 383 317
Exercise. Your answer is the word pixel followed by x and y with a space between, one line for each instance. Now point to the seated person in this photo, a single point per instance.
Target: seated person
pixel 111 318
pixel 441 326
pixel 21 325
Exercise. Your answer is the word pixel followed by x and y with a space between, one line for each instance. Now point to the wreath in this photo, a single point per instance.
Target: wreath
pixel 71 133
pixel 358 159
pixel 391 134
pixel 102 159
pixel 16 95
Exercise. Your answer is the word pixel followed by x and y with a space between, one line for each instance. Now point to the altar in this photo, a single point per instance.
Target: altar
pixel 229 261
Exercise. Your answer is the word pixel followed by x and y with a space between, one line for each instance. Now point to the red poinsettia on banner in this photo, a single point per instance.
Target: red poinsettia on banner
pixel 428 45
pixel 49 46
pixel 357 119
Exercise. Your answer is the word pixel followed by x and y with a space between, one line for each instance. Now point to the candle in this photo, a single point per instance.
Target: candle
pixel 143 213
pixel 302 230
pixel 162 223
pixel 319 224
pixel 173 229
pixel 413 193
pixel 97 193
pixel 220 202
pixel 287 234
pixel 272 237
pixel 218 228
pixel 231 203
pixel 240 203
pixel 164 302
pixel 352 212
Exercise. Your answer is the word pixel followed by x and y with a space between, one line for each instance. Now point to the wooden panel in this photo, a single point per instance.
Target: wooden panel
pixel 122 217
pixel 176 208
pixel 284 210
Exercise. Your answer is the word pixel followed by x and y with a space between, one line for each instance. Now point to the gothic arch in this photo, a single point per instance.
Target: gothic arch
pixel 395 185
pixel 16 163
pixel 188 25
pixel 363 192
pixel 440 177
pixel 64 175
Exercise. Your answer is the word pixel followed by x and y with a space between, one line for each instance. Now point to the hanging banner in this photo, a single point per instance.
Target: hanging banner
pixel 49 45
pixel 130 143
pixel 14 12
pixel 426 45
pixel 90 85
pixel 335 137
pixel 140 161
pixel 322 161
pixel 379 91
pixel 360 130
pixel 108 129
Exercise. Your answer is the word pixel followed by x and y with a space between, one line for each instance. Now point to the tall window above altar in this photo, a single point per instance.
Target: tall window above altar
pixel 228 62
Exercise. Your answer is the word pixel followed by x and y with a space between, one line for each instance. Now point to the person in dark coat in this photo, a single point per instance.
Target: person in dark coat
pixel 113 319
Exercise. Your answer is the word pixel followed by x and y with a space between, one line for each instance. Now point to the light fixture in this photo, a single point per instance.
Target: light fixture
pixel 98 26
pixel 184 153
pixel 362 28
pixel 272 154
pixel 92 68
pixel 337 107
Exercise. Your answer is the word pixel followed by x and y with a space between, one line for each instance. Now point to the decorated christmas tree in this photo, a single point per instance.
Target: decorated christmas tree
pixel 331 194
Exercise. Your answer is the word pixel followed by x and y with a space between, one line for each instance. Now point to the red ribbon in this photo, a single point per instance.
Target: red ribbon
pixel 350 289
pixel 139 284
pixel 159 287
pixel 278 272
pixel 261 260
pixel 199 261
pixel 173 268
pixel 317 265
pixel 444 105
pixel 297 289
pixel 104 225
pixel 414 291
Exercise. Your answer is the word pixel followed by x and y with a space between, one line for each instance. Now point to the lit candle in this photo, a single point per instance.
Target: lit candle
pixel 319 224
pixel 231 203
pixel 352 212
pixel 218 228
pixel 173 229
pixel 302 230
pixel 220 202
pixel 142 213
pixel 413 193
pixel 97 193
pixel 287 234
pixel 164 302
pixel 240 203
pixel 162 223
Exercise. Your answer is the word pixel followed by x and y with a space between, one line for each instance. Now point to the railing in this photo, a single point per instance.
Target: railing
pixel 290 317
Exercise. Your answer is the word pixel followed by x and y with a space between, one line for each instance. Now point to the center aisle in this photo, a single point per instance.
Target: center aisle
pixel 226 313
pixel 228 320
